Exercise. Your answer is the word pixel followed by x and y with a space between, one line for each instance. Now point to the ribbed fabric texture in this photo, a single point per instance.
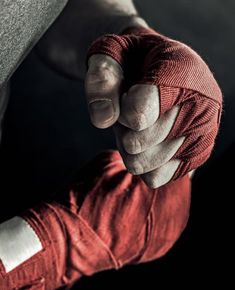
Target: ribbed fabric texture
pixel 107 219
pixel 182 77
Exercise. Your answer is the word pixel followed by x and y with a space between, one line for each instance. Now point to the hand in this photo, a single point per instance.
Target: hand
pixel 161 98
pixel 140 132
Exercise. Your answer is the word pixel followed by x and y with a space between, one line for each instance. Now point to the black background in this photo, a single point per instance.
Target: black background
pixel 47 137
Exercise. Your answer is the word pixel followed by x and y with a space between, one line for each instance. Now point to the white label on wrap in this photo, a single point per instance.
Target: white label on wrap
pixel 18 243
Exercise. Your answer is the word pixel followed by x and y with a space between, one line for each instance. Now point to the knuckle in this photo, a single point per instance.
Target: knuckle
pixel 133 165
pixel 131 144
pixel 151 180
pixel 159 177
pixel 137 120
pixel 141 106
pixel 104 64
pixel 155 179
pixel 98 77
pixel 141 118
pixel 160 159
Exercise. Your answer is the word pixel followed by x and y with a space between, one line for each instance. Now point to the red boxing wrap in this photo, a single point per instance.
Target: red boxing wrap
pixel 108 219
pixel 182 78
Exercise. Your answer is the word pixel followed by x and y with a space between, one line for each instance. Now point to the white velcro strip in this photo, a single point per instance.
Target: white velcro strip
pixel 18 243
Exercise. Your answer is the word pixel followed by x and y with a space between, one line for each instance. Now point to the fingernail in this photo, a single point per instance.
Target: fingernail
pixel 101 111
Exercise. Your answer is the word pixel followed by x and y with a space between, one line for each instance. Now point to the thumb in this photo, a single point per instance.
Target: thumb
pixel 103 88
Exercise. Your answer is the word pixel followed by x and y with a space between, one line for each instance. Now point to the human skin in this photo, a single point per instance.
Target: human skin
pixel 65 46
pixel 73 32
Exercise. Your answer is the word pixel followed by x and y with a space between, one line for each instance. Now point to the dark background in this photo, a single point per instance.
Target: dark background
pixel 47 137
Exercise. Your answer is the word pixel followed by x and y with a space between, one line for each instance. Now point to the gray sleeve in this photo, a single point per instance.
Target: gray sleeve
pixel 22 23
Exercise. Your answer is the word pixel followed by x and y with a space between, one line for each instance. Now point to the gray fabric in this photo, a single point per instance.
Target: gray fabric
pixel 22 23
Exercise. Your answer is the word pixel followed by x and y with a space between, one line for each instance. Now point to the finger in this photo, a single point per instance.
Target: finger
pixel 135 142
pixel 103 87
pixel 140 107
pixel 162 175
pixel 153 157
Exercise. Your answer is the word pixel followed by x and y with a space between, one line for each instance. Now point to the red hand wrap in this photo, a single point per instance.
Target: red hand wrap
pixel 182 77
pixel 108 219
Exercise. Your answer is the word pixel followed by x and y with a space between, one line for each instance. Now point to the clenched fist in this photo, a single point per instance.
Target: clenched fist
pixel 160 96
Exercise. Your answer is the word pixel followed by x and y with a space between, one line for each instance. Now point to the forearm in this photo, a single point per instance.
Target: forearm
pixel 21 25
pixel 80 24
pixel 107 219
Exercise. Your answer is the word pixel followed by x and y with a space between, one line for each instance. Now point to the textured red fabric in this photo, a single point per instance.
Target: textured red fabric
pixel 108 219
pixel 182 77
